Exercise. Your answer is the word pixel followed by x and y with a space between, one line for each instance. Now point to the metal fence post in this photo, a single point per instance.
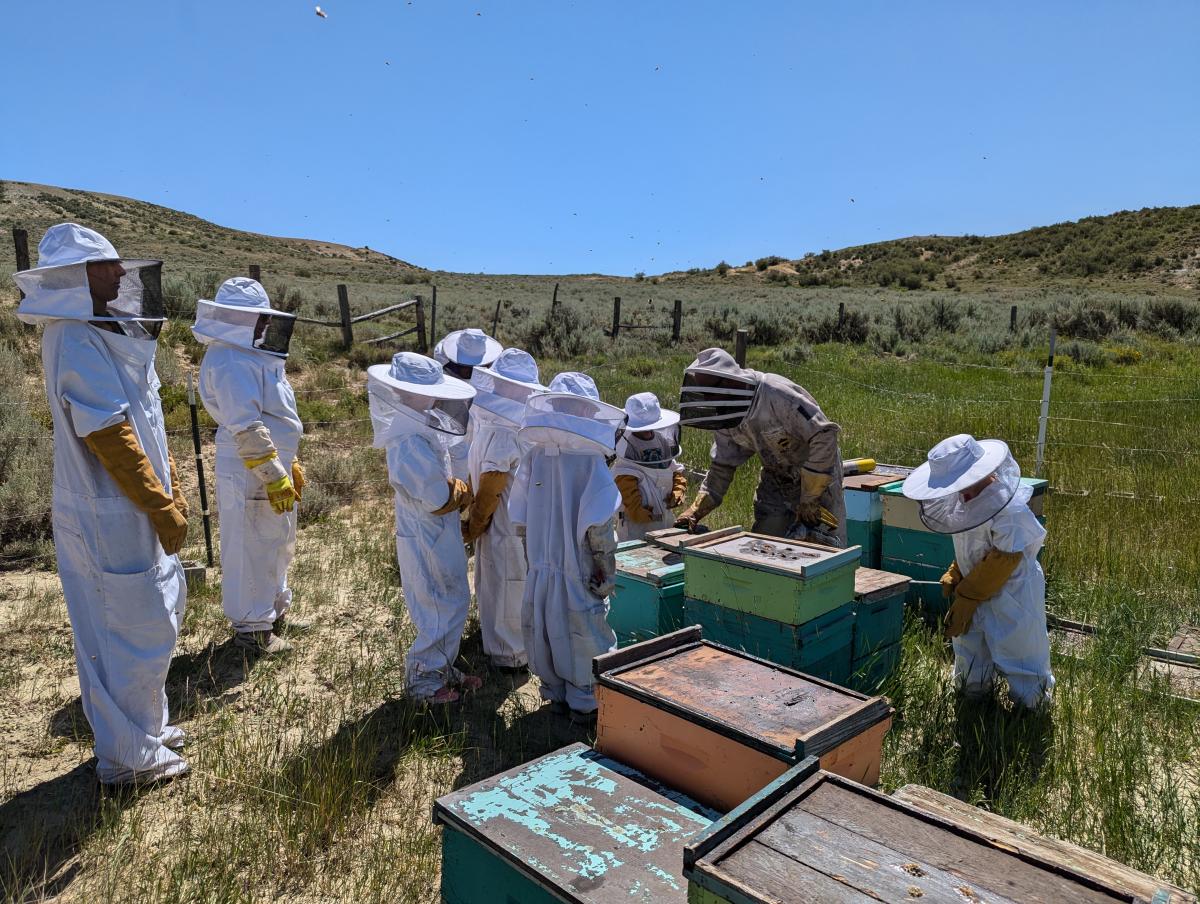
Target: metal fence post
pixel 616 327
pixel 422 343
pixel 739 348
pixel 344 312
pixel 677 320
pixel 200 470
pixel 1045 417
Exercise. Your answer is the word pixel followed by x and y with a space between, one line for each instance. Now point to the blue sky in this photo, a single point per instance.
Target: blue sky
pixel 556 137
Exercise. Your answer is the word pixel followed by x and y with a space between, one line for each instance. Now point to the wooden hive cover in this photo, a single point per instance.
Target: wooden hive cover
pixel 868 482
pixel 582 826
pixel 652 564
pixel 767 707
pixel 872 584
pixel 816 837
pixel 794 558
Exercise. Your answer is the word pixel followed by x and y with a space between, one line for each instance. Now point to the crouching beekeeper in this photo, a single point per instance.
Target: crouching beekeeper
pixel 565 497
pixel 997 620
pixel 419 415
pixel 119 516
pixel 244 387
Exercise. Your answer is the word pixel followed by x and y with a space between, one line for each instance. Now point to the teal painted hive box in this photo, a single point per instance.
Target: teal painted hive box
pixel 571 826
pixel 786 581
pixel 878 609
pixel 864 512
pixel 912 549
pixel 648 599
pixel 820 647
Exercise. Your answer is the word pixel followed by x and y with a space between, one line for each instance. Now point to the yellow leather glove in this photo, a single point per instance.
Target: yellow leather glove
pixel 631 498
pixel 282 495
pixel 812 487
pixel 950 580
pixel 177 496
pixel 678 491
pixel 460 497
pixel 984 582
pixel 492 485
pixel 696 512
pixel 121 454
pixel 298 480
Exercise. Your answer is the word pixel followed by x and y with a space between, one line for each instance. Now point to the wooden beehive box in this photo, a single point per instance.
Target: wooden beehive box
pixel 879 598
pixel 864 513
pixel 912 549
pixel 648 599
pixel 718 725
pixel 821 647
pixel 814 837
pixel 786 581
pixel 571 826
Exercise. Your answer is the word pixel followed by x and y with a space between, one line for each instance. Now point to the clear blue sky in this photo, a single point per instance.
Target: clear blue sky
pixel 553 137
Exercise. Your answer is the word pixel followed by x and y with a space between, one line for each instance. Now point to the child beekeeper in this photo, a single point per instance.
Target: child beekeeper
pixel 565 497
pixel 419 415
pixel 972 490
pixel 651 481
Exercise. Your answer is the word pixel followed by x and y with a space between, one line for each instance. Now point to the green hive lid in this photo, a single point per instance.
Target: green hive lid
pixel 1039 485
pixel 653 564
pixel 792 558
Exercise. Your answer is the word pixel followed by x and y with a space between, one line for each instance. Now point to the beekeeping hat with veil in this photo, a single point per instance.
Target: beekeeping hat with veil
pixel 413 395
pixel 59 287
pixel 241 315
pixel 504 386
pixel 957 464
pixel 644 415
pixel 570 418
pixel 717 393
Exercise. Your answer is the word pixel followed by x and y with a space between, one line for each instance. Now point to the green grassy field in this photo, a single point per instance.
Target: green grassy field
pixel 313 779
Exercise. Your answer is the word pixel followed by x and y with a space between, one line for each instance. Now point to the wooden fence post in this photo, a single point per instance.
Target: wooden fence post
pixel 344 311
pixel 616 327
pixel 21 248
pixel 841 316
pixel 677 320
pixel 433 313
pixel 739 348
pixel 256 273
pixel 422 341
pixel 1012 319
pixel 554 298
pixel 496 316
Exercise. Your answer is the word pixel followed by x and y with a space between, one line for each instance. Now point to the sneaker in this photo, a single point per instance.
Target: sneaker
pixel 291 624
pixel 174 737
pixel 265 642
pixel 582 719
pixel 444 695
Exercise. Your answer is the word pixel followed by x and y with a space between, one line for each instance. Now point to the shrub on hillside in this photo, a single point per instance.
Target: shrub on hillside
pixel 777 276
pixel 769 261
pixel 561 333
pixel 1085 321
pixel 854 328
pixel 1164 315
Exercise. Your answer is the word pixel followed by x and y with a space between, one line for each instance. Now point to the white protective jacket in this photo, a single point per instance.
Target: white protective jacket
pixel 500 563
pixel 125 596
pixel 240 388
pixel 655 485
pixel 1008 632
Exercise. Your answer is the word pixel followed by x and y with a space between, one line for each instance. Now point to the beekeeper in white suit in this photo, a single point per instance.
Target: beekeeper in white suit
pixel 565 498
pixel 459 353
pixel 500 565
pixel 651 481
pixel 119 516
pixel 997 621
pixel 419 414
pixel 244 387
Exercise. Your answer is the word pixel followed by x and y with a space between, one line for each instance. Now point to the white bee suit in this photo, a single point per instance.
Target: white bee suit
pixel 241 387
pixel 1008 631
pixel 125 596
pixel 656 485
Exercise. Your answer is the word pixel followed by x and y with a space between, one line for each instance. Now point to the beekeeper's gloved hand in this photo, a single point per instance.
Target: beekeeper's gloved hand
pixel 812 487
pixel 950 580
pixel 460 497
pixel 298 481
pixel 984 581
pixel 696 512
pixel 492 485
pixel 281 494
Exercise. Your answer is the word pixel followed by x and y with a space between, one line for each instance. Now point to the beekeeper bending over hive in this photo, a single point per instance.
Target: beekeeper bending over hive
pixel 565 497
pixel 800 490
pixel 119 516
pixel 997 621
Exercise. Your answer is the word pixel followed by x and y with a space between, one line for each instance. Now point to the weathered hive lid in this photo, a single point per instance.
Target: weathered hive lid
pixel 816 837
pixel 794 558
pixel 869 482
pixel 771 708
pixel 582 826
pixel 653 564
pixel 871 584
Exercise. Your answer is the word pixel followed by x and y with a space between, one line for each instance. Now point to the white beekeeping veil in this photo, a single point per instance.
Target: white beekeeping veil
pixel 59 287
pixel 717 394
pixel 506 385
pixel 957 464
pixel 242 315
pixel 413 395
pixel 644 414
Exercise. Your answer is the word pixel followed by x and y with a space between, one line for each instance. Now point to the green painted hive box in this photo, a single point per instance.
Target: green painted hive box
pixel 812 837
pixel 571 826
pixel 648 599
pixel 912 549
pixel 820 647
pixel 878 609
pixel 864 511
pixel 786 581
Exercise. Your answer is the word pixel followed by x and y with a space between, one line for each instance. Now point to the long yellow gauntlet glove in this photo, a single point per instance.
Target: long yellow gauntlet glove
pixel 812 487
pixel 984 581
pixel 487 499
pixel 631 498
pixel 460 497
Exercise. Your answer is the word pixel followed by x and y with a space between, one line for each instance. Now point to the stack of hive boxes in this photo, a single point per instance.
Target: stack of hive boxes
pixel 648 599
pixel 864 509
pixel 879 599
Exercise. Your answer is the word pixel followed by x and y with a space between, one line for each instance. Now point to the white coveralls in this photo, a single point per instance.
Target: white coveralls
pixel 656 485
pixel 1008 631
pixel 559 496
pixel 500 563
pixel 125 596
pixel 240 387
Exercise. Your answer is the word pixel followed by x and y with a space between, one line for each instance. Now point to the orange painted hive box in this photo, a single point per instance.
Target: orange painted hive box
pixel 719 725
